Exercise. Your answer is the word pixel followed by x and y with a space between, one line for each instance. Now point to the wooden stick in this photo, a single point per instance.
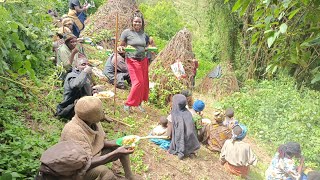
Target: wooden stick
pixel 112 119
pixel 115 66
pixel 154 137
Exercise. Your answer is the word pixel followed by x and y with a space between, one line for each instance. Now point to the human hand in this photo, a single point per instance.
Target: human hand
pixel 75 50
pixel 120 49
pixel 123 150
pixel 88 69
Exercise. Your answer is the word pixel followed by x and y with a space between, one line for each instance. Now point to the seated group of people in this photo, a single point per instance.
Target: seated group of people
pixel 224 134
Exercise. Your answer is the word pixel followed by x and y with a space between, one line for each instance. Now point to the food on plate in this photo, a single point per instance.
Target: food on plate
pixel 104 94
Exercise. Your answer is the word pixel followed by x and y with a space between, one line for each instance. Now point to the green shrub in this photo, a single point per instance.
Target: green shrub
pixel 276 112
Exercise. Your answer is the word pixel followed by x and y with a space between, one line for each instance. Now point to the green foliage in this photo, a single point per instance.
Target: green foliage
pixel 164 87
pixel 24 38
pixel 275 113
pixel 162 21
pixel 24 134
pixel 283 36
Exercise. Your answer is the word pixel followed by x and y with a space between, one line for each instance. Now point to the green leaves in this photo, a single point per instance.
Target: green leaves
pixel 283 28
pixel 293 13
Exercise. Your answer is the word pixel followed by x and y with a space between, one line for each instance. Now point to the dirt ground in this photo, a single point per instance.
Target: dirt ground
pixel 162 165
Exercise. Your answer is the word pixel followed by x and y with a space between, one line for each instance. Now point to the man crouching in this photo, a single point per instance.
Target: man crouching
pixel 85 129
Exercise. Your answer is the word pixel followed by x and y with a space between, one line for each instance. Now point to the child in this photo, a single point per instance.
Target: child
pixel 229 121
pixel 162 128
pixel 196 111
pixel 236 156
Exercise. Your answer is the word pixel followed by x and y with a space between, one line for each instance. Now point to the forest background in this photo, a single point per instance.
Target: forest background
pixel 273 47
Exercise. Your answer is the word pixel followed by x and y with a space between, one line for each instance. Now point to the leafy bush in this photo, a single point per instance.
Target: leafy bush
pixel 24 38
pixel 276 112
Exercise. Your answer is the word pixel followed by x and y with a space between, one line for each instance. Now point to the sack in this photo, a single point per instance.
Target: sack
pixel 178 70
pixel 67 159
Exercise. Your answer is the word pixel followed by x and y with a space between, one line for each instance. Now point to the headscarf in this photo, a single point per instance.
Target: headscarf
pixel 289 149
pixel 184 138
pixel 243 133
pixel 89 109
pixel 198 105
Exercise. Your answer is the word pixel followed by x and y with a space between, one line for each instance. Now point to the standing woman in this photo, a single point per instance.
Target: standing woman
pixel 137 61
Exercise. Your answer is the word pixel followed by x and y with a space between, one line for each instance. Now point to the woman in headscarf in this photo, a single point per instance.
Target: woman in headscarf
pixel 184 141
pixel 282 165
pixel 236 155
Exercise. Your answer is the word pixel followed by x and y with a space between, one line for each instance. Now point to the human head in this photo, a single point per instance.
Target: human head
pixel 70 40
pixel 239 132
pixel 64 159
pixel 218 116
pixel 188 94
pixel 198 105
pixel 289 150
pixel 82 62
pixel 163 121
pixel 179 102
pixel 89 109
pixel 136 16
pixel 229 113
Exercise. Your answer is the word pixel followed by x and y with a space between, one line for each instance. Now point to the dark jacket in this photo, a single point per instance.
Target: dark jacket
pixel 76 85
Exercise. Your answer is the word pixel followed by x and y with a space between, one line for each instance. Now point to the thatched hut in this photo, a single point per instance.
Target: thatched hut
pixel 101 26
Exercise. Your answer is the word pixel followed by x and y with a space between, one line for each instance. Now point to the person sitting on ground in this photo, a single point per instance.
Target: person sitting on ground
pixel 282 165
pixel 188 94
pixel 214 135
pixel 161 129
pixel 68 53
pixel 85 129
pixel 236 155
pixel 76 85
pixel 122 70
pixel 184 141
pixel 196 111
pixel 229 120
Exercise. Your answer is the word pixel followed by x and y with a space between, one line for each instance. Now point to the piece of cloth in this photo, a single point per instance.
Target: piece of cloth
pixel 184 139
pixel 162 143
pixel 76 85
pixel 242 171
pixel 230 122
pixel 89 109
pixel 216 73
pixel 138 71
pixel 67 159
pixel 90 138
pixel 282 169
pixel 159 131
pixel 215 136
pixel 238 153
pixel 136 40
pixel 122 70
pixel 78 19
pixel 198 105
pixel 243 133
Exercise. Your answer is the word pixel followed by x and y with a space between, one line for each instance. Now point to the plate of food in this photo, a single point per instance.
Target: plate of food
pixel 104 94
pixel 94 62
pixel 152 49
pixel 130 49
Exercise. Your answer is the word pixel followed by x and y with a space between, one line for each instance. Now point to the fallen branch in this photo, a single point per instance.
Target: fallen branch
pixel 110 119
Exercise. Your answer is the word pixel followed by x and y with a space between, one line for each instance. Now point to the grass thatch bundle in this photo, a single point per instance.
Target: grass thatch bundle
pixel 103 22
pixel 178 49
pixel 220 87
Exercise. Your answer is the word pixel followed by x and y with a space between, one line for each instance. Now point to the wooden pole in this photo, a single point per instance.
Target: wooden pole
pixel 115 67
